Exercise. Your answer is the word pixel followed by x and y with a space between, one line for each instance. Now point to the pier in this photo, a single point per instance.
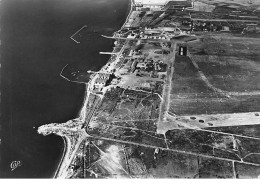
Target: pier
pixel 85 26
pixel 107 53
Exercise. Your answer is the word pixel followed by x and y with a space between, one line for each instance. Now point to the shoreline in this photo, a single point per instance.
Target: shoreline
pixel 130 9
pixel 81 114
pixel 65 140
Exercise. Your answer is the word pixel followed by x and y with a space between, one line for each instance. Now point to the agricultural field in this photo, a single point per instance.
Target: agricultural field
pixel 112 159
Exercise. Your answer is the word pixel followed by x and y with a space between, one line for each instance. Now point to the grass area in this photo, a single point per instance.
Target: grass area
pixel 247 171
pixel 123 112
pixel 247 130
pixel 228 64
pixel 206 105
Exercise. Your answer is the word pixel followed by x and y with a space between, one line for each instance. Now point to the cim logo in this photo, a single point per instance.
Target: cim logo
pixel 15 164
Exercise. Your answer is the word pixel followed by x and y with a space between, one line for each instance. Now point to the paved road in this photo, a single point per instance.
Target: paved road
pixel 165 104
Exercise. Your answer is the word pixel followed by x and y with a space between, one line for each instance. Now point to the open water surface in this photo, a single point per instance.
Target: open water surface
pixel 35 46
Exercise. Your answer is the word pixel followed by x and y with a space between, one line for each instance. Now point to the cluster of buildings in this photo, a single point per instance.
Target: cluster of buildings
pixel 160 33
pixel 147 5
pixel 99 81
pixel 221 18
pixel 143 66
pixel 224 18
pixel 225 26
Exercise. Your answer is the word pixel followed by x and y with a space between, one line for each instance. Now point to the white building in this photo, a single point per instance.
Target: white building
pixel 151 4
pixel 99 81
pixel 162 2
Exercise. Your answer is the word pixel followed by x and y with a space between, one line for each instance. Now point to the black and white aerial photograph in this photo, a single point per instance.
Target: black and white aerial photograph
pixel 130 89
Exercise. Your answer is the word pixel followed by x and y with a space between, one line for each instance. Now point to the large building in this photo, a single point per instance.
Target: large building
pixel 151 4
pixel 163 4
pixel 99 81
pixel 178 4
